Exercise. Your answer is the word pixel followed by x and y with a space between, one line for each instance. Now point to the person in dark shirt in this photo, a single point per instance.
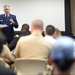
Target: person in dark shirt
pixel 24 32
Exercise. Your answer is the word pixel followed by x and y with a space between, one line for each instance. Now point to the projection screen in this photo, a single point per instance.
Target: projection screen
pixel 49 11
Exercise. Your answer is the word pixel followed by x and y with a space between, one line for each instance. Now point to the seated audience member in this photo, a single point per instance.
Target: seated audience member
pixel 33 46
pixel 62 54
pixel 49 34
pixel 6 71
pixel 57 33
pixel 24 32
pixel 5 55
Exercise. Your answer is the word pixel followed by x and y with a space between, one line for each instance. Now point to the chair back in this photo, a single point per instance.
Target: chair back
pixel 30 66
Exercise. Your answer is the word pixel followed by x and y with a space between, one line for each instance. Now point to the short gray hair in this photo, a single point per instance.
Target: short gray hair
pixel 6 6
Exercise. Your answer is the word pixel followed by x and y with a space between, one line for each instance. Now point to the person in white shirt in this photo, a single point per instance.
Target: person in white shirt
pixel 49 34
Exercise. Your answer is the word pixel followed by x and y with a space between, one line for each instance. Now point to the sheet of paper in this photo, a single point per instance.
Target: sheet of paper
pixel 3 25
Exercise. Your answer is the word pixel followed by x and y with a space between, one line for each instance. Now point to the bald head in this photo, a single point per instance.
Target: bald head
pixel 37 24
pixel 6 9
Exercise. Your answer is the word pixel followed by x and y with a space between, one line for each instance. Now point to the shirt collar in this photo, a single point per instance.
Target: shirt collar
pixel 49 36
pixel 36 34
pixel 7 15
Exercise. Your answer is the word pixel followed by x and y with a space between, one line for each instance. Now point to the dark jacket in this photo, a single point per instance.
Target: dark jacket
pixel 8 31
pixel 6 71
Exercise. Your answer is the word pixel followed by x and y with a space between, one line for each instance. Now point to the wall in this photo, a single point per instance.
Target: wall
pixel 73 16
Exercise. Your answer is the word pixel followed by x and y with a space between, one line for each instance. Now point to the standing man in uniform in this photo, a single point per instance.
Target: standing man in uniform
pixel 11 22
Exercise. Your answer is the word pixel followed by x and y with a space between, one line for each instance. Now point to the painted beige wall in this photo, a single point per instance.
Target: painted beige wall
pixel 73 16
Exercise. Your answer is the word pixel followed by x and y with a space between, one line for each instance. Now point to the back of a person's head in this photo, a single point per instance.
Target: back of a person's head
pixel 2 41
pixel 25 28
pixel 57 33
pixel 50 29
pixel 62 53
pixel 37 25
